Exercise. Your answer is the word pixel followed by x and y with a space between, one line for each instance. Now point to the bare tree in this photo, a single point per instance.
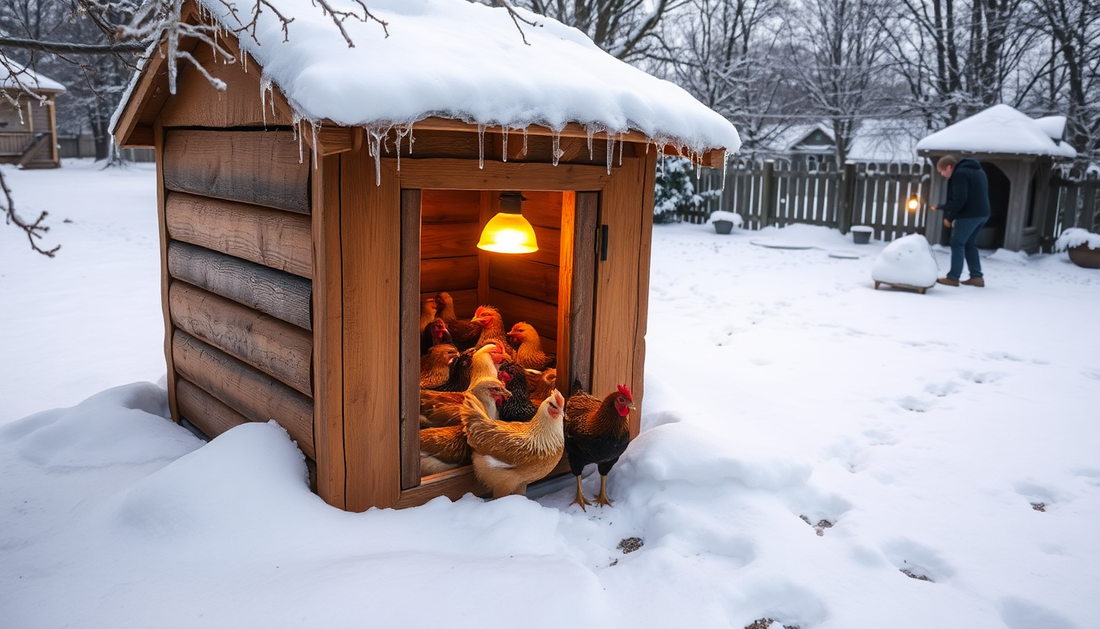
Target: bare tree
pixel 722 52
pixel 1074 30
pixel 838 58
pixel 960 56
pixel 624 28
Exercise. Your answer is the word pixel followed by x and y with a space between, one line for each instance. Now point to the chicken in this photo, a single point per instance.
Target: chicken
pixel 435 366
pixel 442 408
pixel 428 311
pixel 525 339
pixel 540 384
pixel 464 331
pixel 519 407
pixel 443 449
pixel 472 365
pixel 492 328
pixel 509 455
pixel 434 334
pixel 596 432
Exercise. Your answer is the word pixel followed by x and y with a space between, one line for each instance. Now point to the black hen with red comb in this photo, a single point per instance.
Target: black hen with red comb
pixel 597 431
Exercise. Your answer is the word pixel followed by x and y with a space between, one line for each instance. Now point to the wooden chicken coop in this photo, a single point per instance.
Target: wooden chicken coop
pixel 294 264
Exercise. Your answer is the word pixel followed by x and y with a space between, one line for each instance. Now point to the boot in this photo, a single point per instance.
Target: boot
pixel 974 281
pixel 950 281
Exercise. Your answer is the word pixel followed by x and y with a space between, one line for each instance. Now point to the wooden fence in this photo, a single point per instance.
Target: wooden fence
pixel 779 193
pixel 84 146
pixel 1074 202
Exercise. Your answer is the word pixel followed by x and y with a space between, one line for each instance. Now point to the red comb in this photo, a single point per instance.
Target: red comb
pixel 625 390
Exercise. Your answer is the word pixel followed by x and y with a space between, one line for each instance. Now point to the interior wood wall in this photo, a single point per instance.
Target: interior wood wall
pixel 524 287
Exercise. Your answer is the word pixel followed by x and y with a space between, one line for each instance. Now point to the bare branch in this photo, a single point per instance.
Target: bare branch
pixel 70 48
pixel 517 18
pixel 34 229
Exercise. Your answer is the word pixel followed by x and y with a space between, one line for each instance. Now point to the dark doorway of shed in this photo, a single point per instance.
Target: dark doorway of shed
pixel 549 289
pixel 1000 188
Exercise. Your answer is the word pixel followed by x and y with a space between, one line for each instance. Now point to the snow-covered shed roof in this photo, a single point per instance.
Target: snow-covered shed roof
pixel 25 78
pixel 461 60
pixel 999 130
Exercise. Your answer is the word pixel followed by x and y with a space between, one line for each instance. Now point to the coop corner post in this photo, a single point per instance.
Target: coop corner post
pixel 328 417
pixel 165 277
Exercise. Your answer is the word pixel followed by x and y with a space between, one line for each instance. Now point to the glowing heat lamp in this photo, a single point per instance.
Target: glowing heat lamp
pixel 913 204
pixel 508 231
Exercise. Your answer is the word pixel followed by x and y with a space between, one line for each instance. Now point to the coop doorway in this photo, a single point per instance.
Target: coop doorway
pixel 552 289
pixel 992 235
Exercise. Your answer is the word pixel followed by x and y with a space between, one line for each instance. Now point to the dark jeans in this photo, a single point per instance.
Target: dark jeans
pixel 964 245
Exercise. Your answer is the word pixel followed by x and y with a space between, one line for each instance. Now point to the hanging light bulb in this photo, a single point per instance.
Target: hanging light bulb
pixel 913 204
pixel 508 231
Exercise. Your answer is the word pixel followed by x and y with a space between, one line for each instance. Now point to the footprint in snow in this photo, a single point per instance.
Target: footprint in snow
pixel 916 404
pixel 917 561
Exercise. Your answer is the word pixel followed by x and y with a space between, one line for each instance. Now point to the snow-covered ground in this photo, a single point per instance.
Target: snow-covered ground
pixel 915 433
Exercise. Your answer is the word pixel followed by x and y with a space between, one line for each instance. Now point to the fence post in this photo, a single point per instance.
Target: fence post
pixel 767 185
pixel 844 197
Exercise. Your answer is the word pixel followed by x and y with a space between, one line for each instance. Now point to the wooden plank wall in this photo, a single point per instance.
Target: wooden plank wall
pixel 239 262
pixel 449 254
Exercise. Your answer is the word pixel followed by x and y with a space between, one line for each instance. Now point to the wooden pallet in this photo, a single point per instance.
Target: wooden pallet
pixel 916 289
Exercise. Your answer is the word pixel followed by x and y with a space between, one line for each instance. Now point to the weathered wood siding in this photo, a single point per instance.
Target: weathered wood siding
pixel 239 269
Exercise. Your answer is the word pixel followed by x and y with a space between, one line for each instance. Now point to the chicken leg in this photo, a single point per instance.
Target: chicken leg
pixel 580 500
pixel 601 499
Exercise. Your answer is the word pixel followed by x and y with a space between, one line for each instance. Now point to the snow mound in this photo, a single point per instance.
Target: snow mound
pixel 907 261
pixel 682 452
pixel 1012 257
pixel 238 477
pixel 1075 237
pixel 109 426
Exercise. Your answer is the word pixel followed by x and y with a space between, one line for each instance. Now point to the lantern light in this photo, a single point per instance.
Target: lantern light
pixel 508 231
pixel 913 204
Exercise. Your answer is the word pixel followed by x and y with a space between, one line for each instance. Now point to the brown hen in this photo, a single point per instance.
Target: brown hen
pixel 509 455
pixel 596 431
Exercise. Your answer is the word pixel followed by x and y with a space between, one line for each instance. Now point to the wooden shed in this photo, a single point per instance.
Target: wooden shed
pixel 1018 154
pixel 296 249
pixel 28 122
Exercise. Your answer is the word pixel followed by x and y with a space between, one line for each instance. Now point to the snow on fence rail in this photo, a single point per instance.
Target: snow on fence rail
pixel 781 193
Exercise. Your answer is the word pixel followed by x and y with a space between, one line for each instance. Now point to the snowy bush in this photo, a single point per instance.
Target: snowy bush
pixel 1074 237
pixel 676 191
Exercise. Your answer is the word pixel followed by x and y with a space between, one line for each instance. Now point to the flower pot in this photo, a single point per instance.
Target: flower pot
pixel 723 227
pixel 861 235
pixel 1084 257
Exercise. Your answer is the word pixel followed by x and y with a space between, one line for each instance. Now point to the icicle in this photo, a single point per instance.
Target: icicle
pixel 610 151
pixel 374 149
pixel 591 131
pixel 402 132
pixel 504 130
pixel 480 146
pixel 555 150
pixel 409 132
pixel 725 167
pixel 298 134
pixel 315 145
pixel 265 84
pixel 621 143
pixel 525 141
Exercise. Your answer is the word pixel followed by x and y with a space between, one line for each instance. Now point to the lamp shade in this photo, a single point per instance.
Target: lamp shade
pixel 508 233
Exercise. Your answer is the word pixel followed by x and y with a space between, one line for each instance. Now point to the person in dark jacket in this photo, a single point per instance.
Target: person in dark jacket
pixel 965 212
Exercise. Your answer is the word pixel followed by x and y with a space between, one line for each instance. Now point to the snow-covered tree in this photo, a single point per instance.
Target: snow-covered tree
pixel 676 191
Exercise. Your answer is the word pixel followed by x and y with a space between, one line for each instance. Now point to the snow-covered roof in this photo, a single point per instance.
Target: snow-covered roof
pixel 876 140
pixel 25 78
pixel 461 60
pixel 998 130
